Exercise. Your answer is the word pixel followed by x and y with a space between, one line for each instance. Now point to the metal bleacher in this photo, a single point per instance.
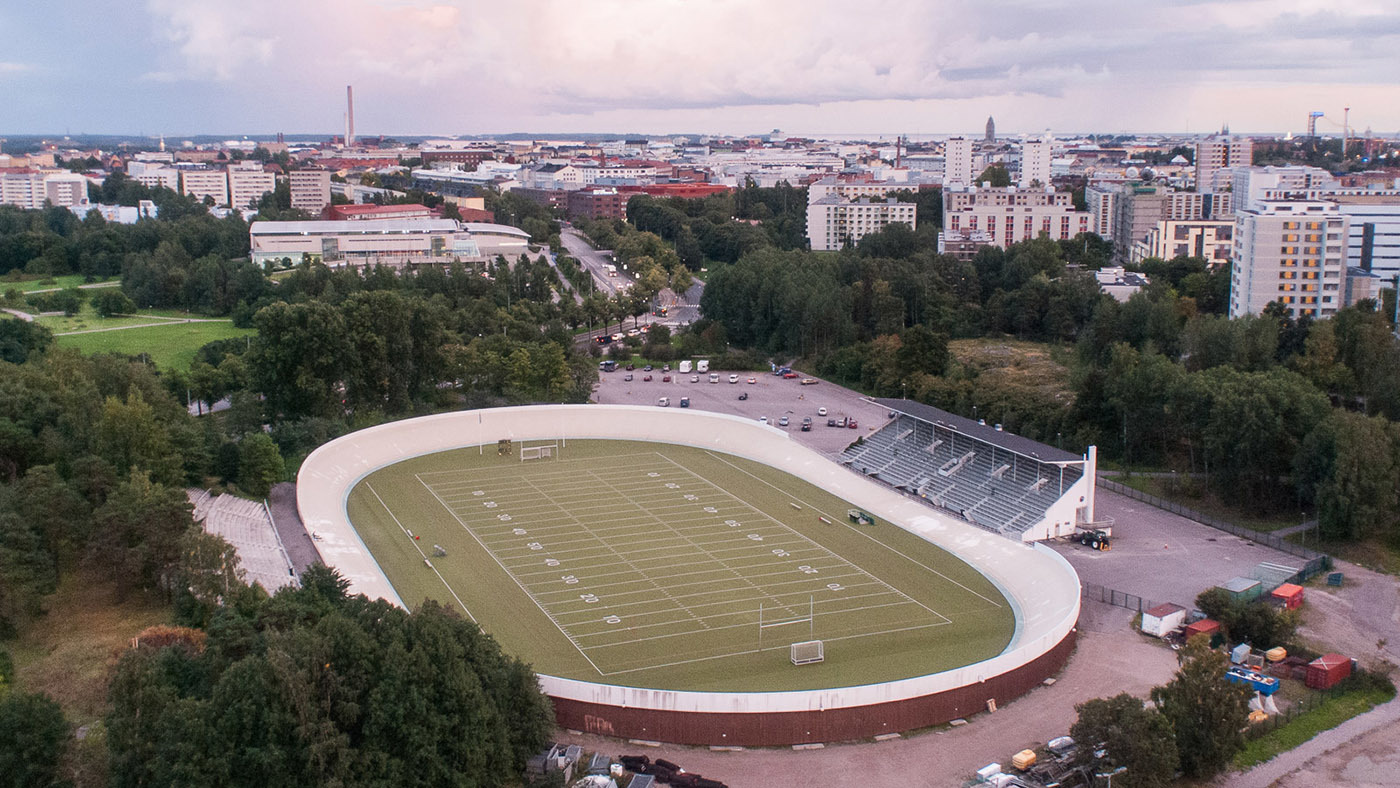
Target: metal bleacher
pixel 247 526
pixel 986 484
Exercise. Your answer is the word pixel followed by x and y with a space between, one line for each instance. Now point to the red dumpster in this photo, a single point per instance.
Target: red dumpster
pixel 1328 669
pixel 1288 595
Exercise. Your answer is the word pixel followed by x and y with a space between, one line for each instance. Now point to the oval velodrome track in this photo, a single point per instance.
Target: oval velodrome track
pixel 1041 586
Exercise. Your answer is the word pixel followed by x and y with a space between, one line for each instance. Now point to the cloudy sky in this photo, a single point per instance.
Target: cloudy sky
pixel 706 66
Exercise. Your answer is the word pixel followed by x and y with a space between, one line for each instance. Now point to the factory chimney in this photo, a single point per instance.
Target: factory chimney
pixel 349 115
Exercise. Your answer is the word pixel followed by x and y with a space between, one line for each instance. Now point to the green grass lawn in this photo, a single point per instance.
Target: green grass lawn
pixel 1331 712
pixel 646 564
pixel 87 319
pixel 43 283
pixel 169 346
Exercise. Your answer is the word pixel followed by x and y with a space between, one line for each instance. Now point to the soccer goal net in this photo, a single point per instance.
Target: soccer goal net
pixel 539 451
pixel 808 652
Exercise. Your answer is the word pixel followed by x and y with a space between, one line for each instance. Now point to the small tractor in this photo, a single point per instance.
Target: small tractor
pixel 1097 539
pixel 859 517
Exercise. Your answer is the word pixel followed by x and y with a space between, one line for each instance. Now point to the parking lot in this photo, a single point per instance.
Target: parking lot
pixel 769 395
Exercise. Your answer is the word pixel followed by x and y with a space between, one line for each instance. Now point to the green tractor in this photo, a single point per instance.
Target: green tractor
pixel 1097 539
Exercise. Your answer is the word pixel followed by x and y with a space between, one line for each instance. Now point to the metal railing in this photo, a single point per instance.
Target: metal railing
pixel 1110 596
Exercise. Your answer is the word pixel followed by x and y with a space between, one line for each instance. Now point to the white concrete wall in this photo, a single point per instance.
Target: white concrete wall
pixel 1042 587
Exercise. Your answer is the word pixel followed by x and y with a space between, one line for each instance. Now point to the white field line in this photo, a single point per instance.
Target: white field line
pixel 805 538
pixel 414 542
pixel 646 505
pixel 841 521
pixel 522 587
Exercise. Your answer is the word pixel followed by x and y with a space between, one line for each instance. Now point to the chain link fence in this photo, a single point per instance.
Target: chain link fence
pixel 1116 598
pixel 1316 562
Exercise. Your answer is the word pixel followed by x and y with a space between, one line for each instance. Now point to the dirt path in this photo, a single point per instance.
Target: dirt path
pixel 1109 659
pixel 161 322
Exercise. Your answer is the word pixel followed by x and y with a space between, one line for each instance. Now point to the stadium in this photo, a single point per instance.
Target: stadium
pixel 700 578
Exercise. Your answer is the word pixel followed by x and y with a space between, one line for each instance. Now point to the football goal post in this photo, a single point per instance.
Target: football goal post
pixel 808 652
pixel 539 451
pixel 809 620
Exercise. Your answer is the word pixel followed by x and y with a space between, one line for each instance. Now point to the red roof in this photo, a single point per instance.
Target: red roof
pixel 1287 590
pixel 342 212
pixel 1165 609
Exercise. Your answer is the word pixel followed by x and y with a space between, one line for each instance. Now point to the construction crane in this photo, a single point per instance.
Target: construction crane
pixel 1312 123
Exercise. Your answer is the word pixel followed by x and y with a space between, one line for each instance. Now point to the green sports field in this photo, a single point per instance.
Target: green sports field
pixel 652 565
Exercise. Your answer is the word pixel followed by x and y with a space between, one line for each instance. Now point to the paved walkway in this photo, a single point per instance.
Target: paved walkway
pixel 25 316
pixel 283 503
pixel 162 322
pixel 1270 772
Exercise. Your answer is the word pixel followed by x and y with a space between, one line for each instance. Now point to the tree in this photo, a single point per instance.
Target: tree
pixel 137 532
pixel 316 687
pixel 1347 466
pixel 996 175
pixel 259 464
pixel 112 301
pixel 1207 713
pixel 1133 736
pixel 33 737
pixel 19 339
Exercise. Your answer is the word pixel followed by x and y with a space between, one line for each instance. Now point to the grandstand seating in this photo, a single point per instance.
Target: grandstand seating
pixel 986 485
pixel 247 526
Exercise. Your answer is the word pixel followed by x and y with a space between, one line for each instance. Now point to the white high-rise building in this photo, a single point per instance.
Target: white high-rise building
pixel 957 155
pixel 833 222
pixel 32 188
pixel 1294 252
pixel 1100 202
pixel 1035 164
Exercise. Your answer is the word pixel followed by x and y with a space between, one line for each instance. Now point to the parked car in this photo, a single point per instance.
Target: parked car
pixel 647 368
pixel 665 378
pixel 628 376
pixel 762 419
pixel 783 422
pixel 632 332
pixel 685 402
pixel 851 424
pixel 646 377
pixel 733 378
pixel 694 378
pixel 809 381
pixel 665 367
pixel 631 367
pixel 664 402
pixel 789 375
pixel 752 381
pixel 807 424
pixel 821 411
pixel 831 422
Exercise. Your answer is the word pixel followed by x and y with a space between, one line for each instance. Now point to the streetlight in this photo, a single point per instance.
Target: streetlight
pixel 1109 775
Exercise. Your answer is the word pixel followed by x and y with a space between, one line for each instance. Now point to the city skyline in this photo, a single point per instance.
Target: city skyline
pixel 670 67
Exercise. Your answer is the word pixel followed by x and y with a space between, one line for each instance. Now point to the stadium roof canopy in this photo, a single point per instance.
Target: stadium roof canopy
pixel 982 432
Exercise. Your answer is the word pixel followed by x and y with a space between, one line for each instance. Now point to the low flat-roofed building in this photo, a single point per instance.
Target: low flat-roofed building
pixel 372 212
pixel 963 244
pixel 391 242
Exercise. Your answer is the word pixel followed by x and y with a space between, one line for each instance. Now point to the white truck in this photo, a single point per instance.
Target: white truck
pixel 685 366
pixel 702 366
pixel 611 269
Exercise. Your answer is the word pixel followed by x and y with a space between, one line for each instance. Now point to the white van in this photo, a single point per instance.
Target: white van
pixel 702 366
pixel 685 366
pixel 714 377
pixel 664 402
pixel 733 378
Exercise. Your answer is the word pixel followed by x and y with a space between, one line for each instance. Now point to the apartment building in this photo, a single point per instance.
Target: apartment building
pixel 30 189
pixel 1100 200
pixel 1294 252
pixel 853 190
pixel 247 183
pixel 596 203
pixel 1035 164
pixel 1011 215
pixel 1373 238
pixel 833 222
pixel 1249 185
pixel 1215 155
pixel 1138 209
pixel 1210 239
pixel 311 190
pixel 958 162
pixel 205 183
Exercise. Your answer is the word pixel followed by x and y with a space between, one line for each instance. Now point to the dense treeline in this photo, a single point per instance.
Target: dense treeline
pixel 1278 413
pixel 317 687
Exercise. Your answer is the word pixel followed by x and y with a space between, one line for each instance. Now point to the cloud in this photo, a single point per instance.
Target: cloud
pixel 14 68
